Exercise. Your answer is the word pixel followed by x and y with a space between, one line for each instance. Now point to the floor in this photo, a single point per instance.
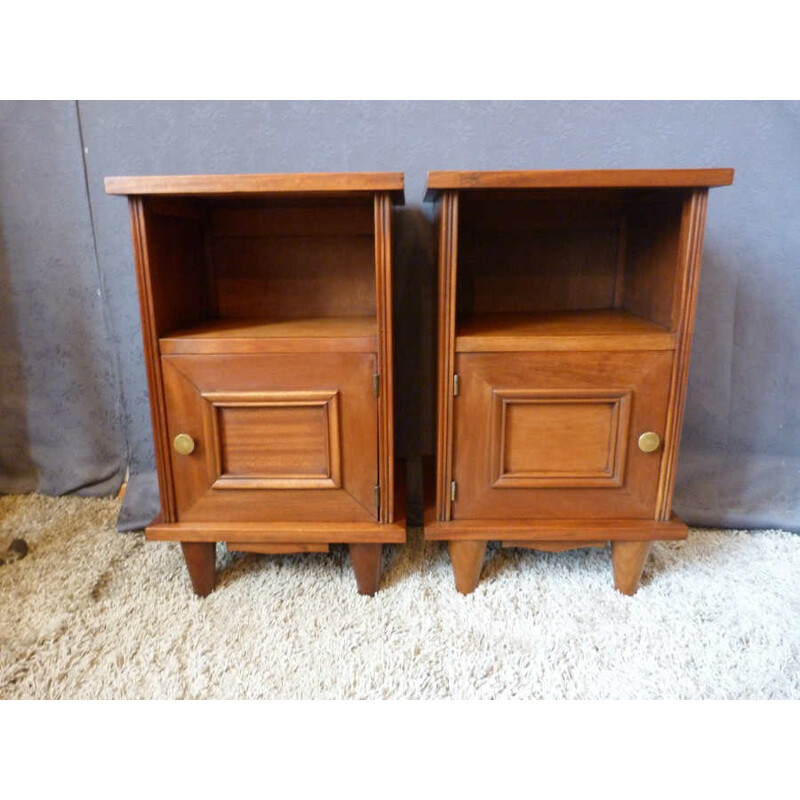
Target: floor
pixel 91 613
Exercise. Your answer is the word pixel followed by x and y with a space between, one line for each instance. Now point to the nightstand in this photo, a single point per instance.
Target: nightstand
pixel 266 316
pixel 566 307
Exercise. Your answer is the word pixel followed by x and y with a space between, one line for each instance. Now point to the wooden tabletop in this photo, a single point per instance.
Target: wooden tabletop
pixel 289 183
pixel 576 179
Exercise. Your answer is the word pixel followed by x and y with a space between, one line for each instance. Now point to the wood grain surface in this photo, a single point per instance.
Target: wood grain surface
pixel 440 180
pixel 290 183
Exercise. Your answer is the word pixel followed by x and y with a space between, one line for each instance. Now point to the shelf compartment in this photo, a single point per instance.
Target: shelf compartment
pixel 599 330
pixel 243 336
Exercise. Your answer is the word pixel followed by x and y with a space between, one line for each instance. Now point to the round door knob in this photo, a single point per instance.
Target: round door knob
pixel 183 444
pixel 650 441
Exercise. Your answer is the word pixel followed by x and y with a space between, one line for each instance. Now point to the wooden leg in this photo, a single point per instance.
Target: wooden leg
pixel 200 560
pixel 366 560
pixel 628 559
pixel 467 560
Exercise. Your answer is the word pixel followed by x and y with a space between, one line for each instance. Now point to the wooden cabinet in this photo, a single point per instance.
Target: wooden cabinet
pixel 266 317
pixel 566 305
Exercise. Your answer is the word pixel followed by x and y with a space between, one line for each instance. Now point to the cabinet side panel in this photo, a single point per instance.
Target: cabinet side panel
pixel 176 268
pixel 152 361
pixel 654 236
pixel 689 257
pixel 448 257
pixel 383 290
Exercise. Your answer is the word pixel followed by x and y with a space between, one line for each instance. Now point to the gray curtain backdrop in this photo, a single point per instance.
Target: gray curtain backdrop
pixel 61 427
pixel 73 392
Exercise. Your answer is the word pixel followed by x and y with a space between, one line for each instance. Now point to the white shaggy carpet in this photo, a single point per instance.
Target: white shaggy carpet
pixel 91 613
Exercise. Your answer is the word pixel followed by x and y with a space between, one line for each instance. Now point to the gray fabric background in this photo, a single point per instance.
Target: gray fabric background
pixel 73 393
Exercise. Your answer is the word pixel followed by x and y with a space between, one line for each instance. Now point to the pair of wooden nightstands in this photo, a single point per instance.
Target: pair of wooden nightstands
pixel 566 303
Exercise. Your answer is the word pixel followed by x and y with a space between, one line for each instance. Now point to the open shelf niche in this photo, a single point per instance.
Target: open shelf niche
pixel 568 269
pixel 263 274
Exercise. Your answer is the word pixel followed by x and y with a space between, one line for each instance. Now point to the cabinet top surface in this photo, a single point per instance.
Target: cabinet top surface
pixel 310 183
pixel 576 178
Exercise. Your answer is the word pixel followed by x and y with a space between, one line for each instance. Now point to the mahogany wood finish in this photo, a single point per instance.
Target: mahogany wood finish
pixel 366 561
pixel 557 422
pixel 600 530
pixel 301 429
pixel 467 559
pixel 332 183
pixel 629 559
pixel 612 330
pixel 316 532
pixel 200 560
pixel 277 548
pixel 266 316
pixel 578 178
pixel 554 547
pixel 259 335
pixel 447 220
pixel 566 308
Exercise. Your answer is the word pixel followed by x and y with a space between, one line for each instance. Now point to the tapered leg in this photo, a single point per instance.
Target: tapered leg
pixel 629 559
pixel 467 560
pixel 366 560
pixel 201 562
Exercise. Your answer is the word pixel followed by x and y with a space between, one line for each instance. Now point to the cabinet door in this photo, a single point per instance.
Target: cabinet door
pixel 541 435
pixel 276 437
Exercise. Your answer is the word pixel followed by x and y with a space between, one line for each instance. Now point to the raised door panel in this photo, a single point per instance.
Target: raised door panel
pixel 541 435
pixel 550 438
pixel 274 440
pixel 275 437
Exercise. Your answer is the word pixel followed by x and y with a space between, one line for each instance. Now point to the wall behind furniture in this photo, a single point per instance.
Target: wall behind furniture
pixel 740 457
pixel 61 429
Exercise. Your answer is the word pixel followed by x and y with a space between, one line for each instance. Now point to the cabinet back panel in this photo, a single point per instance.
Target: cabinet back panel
pixel 538 251
pixel 293 261
pixel 570 250
pixel 536 270
pixel 293 221
pixel 294 276
pixel 525 211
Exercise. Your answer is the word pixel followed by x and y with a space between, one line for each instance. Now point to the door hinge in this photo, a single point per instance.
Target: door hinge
pixel 452 491
pixel 376 384
pixel 376 495
pixel 456 381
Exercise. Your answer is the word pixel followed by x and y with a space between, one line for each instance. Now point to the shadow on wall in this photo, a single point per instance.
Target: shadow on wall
pixel 17 469
pixel 414 319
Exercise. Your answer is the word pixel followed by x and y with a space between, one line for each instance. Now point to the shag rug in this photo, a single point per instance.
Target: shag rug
pixel 91 613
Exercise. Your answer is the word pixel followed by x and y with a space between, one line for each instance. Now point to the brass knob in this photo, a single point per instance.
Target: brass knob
pixel 183 444
pixel 650 441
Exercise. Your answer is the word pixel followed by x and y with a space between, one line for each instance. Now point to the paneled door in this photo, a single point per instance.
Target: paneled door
pixel 559 435
pixel 273 437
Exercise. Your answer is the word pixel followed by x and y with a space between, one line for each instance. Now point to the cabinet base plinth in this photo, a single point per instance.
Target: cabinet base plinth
pixel 277 548
pixel 555 530
pixel 630 542
pixel 198 542
pixel 279 532
pixel 554 547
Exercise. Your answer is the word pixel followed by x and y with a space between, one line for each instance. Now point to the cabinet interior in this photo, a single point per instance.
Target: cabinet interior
pixel 568 262
pixel 263 266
